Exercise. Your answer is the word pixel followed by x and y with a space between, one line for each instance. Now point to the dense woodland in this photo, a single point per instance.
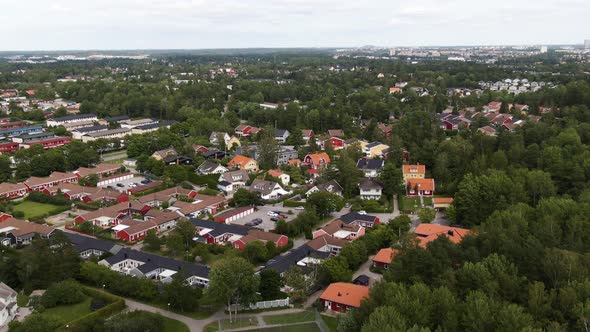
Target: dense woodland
pixel 525 194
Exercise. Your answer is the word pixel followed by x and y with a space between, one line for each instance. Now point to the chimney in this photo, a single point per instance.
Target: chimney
pixel 451 232
pixel 339 294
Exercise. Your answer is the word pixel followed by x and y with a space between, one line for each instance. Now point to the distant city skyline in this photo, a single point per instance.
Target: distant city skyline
pixel 208 24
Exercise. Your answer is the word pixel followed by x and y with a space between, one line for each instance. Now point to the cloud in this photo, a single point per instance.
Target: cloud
pixel 120 24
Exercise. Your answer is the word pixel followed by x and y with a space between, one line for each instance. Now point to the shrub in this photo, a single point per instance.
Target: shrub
pixel 64 292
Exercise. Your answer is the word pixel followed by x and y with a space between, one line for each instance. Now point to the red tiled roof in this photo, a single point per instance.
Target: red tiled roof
pixel 430 232
pixel 345 293
pixel 385 255
pixel 422 184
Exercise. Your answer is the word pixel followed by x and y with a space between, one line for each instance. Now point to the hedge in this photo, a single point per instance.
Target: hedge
pixel 116 305
pixel 289 203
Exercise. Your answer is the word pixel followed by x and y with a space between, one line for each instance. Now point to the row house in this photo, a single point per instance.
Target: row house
pixel 132 230
pixel 88 247
pixel 48 143
pixel 7 146
pixel 54 122
pixel 147 128
pixel 13 132
pixel 12 190
pixel 112 215
pixel 101 170
pixel 304 258
pixel 157 198
pixel 106 134
pixel 19 232
pixel 201 204
pixel 218 232
pixel 38 184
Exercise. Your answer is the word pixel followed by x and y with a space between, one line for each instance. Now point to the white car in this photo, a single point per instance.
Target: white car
pixel 300 208
pixel 271 214
pixel 363 212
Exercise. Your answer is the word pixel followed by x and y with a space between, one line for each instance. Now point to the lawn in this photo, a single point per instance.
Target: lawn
pixel 332 322
pixel 409 203
pixel 68 313
pixel 34 209
pixel 172 325
pixel 307 327
pixel 22 300
pixel 299 317
pixel 226 325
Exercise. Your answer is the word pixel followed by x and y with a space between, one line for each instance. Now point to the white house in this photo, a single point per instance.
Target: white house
pixel 210 167
pixel 283 177
pixel 370 189
pixel 8 307
pixel 214 138
pixel 268 190
pixel 281 135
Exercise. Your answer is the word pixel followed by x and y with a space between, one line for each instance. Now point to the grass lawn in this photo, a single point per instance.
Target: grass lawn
pixel 34 209
pixel 428 201
pixel 409 203
pixel 226 325
pixel 171 325
pixel 68 313
pixel 332 322
pixel 299 317
pixel 307 327
pixel 22 300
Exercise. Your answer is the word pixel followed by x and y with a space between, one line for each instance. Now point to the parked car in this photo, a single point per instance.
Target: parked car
pixel 257 221
pixel 272 214
pixel 284 216
pixel 146 181
pixel 363 212
pixel 274 219
pixel 120 185
pixel 250 223
pixel 300 208
pixel 110 187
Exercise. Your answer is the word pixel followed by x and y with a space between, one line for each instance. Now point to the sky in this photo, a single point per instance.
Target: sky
pixel 201 24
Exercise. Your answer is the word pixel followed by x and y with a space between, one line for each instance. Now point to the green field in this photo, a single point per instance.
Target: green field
pixel 68 313
pixel 299 317
pixel 171 325
pixel 226 325
pixel 307 327
pixel 332 322
pixel 34 209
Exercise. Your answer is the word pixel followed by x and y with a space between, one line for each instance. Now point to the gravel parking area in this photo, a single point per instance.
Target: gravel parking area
pixel 267 224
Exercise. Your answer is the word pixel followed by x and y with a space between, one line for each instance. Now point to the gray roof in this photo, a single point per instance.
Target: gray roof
pixel 156 125
pixel 370 184
pixel 331 186
pixel 220 228
pixel 74 117
pixel 355 216
pixel 90 129
pixel 370 164
pixel 207 166
pixel 283 263
pixel 82 243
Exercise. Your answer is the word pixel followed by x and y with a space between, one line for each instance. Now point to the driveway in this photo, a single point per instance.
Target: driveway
pixel 261 213
pixel 364 269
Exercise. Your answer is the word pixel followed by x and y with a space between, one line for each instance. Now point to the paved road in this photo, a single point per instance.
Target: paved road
pixel 365 269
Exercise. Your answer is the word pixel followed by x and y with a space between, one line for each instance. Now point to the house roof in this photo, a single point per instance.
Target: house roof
pixel 355 216
pixel 218 228
pixel 264 187
pixel 233 212
pixel 240 175
pixel 285 262
pixel 156 125
pixel 53 177
pixel 345 293
pixel 90 129
pixel 368 184
pixel 307 132
pixel 280 132
pixel 21 228
pixel 108 132
pixel 339 225
pixel 331 186
pixel 335 132
pixel 321 241
pixel 442 200
pixel 165 194
pixel 6 187
pixel 239 160
pixel 100 168
pixel 430 232
pixel 114 211
pixel 153 262
pixel 259 235
pixel 83 243
pixel 414 169
pixel 201 202
pixel 319 158
pixel 370 164
pixel 74 117
pixel 161 217
pixel 422 184
pixel 165 153
pixel 208 166
pixel 275 173
pixel 385 255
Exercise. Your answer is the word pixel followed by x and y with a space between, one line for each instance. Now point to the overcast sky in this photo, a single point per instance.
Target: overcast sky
pixel 193 24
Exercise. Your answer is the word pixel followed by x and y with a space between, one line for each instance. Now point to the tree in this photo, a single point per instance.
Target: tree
pixel 255 252
pixel 270 285
pixel 268 149
pixel 64 292
pixel 244 197
pixel 426 215
pixel 400 224
pixel 5 170
pixel 299 283
pixel 36 323
pixel 296 138
pixel 324 203
pixel 152 241
pixel 348 175
pixel 181 296
pixel 335 269
pixel 392 179
pixel 232 281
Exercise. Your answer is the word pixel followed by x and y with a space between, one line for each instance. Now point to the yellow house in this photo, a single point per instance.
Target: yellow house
pixel 162 154
pixel 375 149
pixel 233 141
pixel 244 163
pixel 413 172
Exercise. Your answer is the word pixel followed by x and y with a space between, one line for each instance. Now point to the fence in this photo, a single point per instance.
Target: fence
pixel 263 305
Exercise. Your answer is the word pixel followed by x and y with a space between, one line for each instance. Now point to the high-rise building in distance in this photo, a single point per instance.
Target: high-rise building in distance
pixel 543 49
pixel 587 44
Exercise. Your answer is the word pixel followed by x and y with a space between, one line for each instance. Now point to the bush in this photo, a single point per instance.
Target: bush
pixel 290 203
pixel 65 292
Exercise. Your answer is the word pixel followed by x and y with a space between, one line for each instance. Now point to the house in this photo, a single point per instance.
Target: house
pixel 54 122
pixel 7 146
pixel 130 124
pixel 281 135
pixel 326 243
pixel 233 180
pixel 200 149
pixel 316 162
pixel 12 132
pixel 243 163
pixel 55 178
pixel 12 190
pixel 487 130
pixel 78 133
pixel 284 155
pixel 283 177
pixel 216 136
pixel 243 130
pixel 331 186
pixel 376 149
pixel 233 141
pixel 101 170
pixel 202 204
pixel 268 190
pixel 385 129
pixel 420 187
pixel 413 172
pixel 235 214
pixel 384 257
pixel 340 230
pixel 336 133
pixel 106 134
pixel 144 265
pixel 262 236
pixel 8 306
pixel 157 198
pixel 442 202
pixel 394 90
pixel 88 247
pixel 355 218
pixel 342 296
pixel 209 167
pixel 112 215
pixel 73 191
pixel 427 233
pixel 19 232
pixel 214 154
pixel 218 232
pixel 370 189
pixel 307 135
pixel 305 258
pixel 163 154
pixel 370 167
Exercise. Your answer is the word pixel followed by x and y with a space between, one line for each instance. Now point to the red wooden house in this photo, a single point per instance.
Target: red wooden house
pixel 342 296
pixel 262 236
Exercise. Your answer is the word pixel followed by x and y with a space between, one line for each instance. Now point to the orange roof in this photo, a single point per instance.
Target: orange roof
pixel 294 162
pixel 275 172
pixel 319 158
pixel 442 200
pixel 392 90
pixel 414 169
pixel 385 255
pixel 430 232
pixel 423 184
pixel 345 293
pixel 239 160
